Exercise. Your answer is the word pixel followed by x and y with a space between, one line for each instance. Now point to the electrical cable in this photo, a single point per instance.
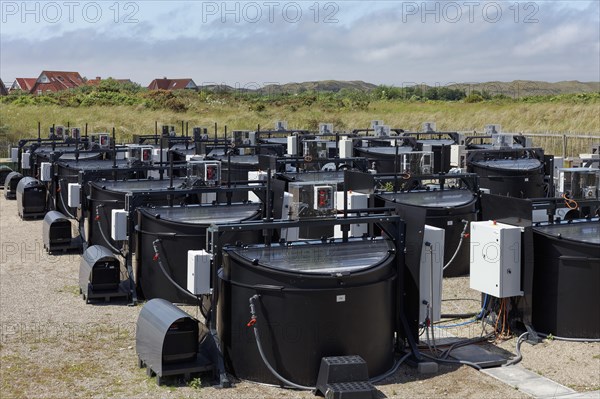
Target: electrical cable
pixel 463 234
pixel 391 372
pixel 436 359
pixel 478 316
pixel 518 350
pixel 553 337
pixel 570 203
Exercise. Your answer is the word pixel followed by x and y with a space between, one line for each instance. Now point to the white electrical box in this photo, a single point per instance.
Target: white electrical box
pixel 355 201
pixel 118 228
pixel 430 274
pixel 156 155
pixel 255 175
pixel 198 267
pixel 251 138
pixel 457 156
pixel 121 154
pixel 46 171
pixel 292 145
pixel 208 198
pixel 496 259
pixel 346 148
pixel 25 158
pixel 324 198
pixel 73 191
pixel 293 233
pixel 14 154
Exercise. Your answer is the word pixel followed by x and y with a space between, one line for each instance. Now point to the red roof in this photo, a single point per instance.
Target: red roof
pixel 3 91
pixel 57 81
pixel 25 84
pixel 172 84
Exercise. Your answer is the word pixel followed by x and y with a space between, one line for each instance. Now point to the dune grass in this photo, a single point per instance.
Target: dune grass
pixel 19 121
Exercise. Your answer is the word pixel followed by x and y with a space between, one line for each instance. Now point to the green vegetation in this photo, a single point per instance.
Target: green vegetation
pixel 132 109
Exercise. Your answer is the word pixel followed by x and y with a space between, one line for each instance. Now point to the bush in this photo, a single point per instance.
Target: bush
pixel 474 98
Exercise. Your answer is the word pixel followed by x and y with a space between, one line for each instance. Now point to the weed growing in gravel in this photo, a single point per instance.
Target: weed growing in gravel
pixel 195 383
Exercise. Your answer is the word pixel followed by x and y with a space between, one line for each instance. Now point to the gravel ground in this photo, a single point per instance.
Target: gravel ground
pixel 54 345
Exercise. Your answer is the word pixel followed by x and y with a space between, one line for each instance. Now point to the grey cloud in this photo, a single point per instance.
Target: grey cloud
pixel 377 47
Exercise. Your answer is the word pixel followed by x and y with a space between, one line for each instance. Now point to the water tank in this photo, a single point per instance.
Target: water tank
pixel 521 178
pixel 566 279
pixel 107 195
pixel 31 198
pixel 316 300
pixel 446 209
pixel 10 185
pixel 382 157
pixel 180 229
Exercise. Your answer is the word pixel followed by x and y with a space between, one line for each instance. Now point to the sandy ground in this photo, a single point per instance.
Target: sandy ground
pixel 54 345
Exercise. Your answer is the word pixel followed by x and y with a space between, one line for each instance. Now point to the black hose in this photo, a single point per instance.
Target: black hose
pixel 458 315
pixel 180 288
pixel 471 364
pixel 553 337
pixel 392 371
pixel 518 350
pixel 106 241
pixel 262 353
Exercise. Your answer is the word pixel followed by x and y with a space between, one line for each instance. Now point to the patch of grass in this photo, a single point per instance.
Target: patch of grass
pixel 69 289
pixel 346 111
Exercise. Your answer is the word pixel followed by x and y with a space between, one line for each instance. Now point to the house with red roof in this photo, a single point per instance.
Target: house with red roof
pixel 23 84
pixel 53 81
pixel 172 84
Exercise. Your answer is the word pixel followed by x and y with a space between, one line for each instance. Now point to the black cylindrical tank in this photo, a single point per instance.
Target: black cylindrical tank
pixel 441 153
pixel 110 194
pixel 316 299
pixel 181 229
pixel 446 209
pixel 236 168
pixel 520 178
pixel 94 169
pixel 382 157
pixel 566 281
pixel 31 197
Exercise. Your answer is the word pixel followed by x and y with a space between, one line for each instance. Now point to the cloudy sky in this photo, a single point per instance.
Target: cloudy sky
pixel 257 43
